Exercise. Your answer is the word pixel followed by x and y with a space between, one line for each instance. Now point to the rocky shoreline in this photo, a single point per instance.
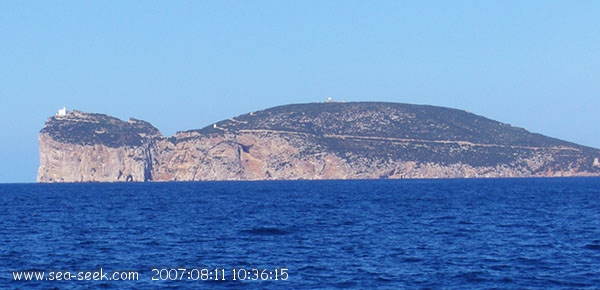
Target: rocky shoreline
pixel 306 141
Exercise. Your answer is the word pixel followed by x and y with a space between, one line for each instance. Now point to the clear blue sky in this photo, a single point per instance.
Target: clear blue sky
pixel 186 64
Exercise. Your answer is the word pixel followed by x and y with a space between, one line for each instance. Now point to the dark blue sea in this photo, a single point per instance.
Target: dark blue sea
pixel 379 234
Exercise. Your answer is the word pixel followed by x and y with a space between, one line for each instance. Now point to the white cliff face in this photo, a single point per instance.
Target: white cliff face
pixel 63 162
pixel 248 156
pixel 83 147
pixel 262 156
pixel 251 156
pixel 306 142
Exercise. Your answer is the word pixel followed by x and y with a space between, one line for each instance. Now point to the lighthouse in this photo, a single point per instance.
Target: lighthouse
pixel 62 112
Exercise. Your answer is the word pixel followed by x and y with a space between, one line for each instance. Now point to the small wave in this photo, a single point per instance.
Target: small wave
pixel 472 276
pixel 86 242
pixel 311 268
pixel 528 261
pixel 347 284
pixel 565 283
pixel 412 259
pixel 266 231
pixel 592 247
pixel 447 217
pixel 384 279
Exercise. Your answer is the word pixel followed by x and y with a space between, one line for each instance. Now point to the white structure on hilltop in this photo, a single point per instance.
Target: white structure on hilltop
pixel 62 112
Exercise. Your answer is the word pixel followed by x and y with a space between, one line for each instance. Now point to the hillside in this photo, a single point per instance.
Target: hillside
pixel 308 141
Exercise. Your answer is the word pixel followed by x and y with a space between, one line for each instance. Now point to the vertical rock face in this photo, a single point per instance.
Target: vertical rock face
pixel 82 147
pixel 245 156
pixel 307 141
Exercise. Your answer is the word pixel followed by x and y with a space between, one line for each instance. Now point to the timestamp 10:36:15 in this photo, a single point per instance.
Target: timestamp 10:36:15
pixel 262 274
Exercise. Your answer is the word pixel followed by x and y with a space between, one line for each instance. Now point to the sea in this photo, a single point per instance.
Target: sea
pixel 526 233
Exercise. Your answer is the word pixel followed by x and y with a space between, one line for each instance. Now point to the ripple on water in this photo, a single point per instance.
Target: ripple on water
pixel 394 234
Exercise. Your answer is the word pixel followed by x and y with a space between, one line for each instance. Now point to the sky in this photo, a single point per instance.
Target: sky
pixel 186 64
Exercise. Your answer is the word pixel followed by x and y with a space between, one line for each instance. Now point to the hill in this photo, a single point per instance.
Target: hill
pixel 307 141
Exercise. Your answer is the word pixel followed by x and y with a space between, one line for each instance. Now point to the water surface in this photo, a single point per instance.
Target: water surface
pixel 395 234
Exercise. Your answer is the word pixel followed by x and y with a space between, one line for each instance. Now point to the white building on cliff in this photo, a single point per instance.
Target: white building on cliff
pixel 62 112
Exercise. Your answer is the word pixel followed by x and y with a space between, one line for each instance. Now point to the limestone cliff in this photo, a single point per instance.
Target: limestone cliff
pixel 83 147
pixel 307 141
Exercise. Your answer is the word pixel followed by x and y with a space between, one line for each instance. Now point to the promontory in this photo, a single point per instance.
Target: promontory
pixel 332 140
